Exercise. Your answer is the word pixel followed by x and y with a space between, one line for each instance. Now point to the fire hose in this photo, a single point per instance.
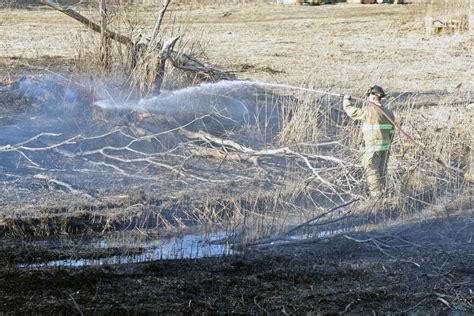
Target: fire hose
pixel 421 146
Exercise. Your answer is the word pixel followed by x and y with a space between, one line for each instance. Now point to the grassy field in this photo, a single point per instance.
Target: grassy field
pixel 345 47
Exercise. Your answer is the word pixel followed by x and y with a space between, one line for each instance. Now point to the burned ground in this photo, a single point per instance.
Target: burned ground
pixel 422 267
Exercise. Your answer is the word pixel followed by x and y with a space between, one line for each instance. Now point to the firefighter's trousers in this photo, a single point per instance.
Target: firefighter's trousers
pixel 375 165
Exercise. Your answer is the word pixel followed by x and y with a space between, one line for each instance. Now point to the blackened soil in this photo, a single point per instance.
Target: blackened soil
pixel 423 268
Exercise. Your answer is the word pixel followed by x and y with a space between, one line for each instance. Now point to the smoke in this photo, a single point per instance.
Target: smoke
pixel 58 129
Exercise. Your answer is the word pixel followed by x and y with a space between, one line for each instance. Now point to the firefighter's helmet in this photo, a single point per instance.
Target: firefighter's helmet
pixel 376 90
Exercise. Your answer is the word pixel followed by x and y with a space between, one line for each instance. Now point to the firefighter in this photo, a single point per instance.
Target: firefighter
pixel 378 134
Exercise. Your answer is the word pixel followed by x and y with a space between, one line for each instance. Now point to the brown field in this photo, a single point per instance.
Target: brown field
pixel 412 254
pixel 344 47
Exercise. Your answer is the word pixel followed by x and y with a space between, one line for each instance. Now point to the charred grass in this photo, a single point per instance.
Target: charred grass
pixel 328 276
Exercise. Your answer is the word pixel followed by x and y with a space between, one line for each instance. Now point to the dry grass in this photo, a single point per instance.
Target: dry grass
pixel 455 13
pixel 325 45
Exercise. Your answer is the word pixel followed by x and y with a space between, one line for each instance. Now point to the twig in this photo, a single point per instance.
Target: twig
pixel 159 20
pixel 258 305
pixel 377 243
pixel 445 302
pixel 76 306
pixel 414 306
pixel 320 216
pixel 282 236
pixel 347 307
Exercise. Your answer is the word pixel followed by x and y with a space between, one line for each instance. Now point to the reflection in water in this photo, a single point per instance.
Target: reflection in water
pixel 189 246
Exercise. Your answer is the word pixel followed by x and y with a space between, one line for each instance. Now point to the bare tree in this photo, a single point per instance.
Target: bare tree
pixel 148 69
pixel 105 40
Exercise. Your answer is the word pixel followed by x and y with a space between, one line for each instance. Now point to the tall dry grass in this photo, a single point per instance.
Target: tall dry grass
pixel 415 179
pixel 130 21
pixel 455 13
pixel 416 183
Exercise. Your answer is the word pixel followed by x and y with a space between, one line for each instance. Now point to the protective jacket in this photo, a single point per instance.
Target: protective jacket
pixel 377 129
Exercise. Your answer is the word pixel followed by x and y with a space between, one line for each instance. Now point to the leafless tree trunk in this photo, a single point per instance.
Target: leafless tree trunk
pixel 105 39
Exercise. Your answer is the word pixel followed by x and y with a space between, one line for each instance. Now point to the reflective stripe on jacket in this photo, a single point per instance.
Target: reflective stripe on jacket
pixel 377 129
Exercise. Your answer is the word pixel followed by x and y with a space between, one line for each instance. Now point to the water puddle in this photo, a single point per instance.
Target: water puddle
pixel 310 236
pixel 188 246
pixel 322 234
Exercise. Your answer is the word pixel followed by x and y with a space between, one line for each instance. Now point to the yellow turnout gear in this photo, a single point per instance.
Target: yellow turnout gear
pixel 378 133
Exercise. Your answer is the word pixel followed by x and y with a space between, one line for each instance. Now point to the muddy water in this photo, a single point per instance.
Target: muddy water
pixel 187 246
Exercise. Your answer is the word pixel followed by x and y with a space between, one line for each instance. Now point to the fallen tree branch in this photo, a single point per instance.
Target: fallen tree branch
pixel 377 243
pixel 252 155
pixel 61 184
pixel 220 155
pixel 186 63
pixel 91 25
pixel 305 224
pixel 206 137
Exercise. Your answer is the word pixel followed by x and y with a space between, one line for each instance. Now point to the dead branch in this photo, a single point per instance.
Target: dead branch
pixel 251 155
pixel 347 307
pixel 305 224
pixel 391 237
pixel 259 306
pixel 61 184
pixel 20 146
pixel 189 64
pixel 115 156
pixel 168 47
pixel 332 221
pixel 319 217
pixel 220 155
pixel 377 243
pixel 441 298
pixel 208 138
pixel 91 25
pixel 156 28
